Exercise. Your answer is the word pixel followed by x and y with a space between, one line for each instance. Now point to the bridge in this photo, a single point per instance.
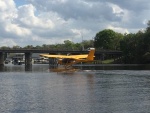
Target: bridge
pixel 28 53
pixel 56 51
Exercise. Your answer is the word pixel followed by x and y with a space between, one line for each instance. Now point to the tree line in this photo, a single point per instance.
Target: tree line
pixel 67 45
pixel 135 46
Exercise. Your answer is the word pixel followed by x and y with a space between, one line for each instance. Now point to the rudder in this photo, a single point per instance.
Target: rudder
pixel 91 54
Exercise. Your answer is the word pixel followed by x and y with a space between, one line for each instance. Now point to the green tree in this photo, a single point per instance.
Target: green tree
pixel 5 47
pixel 107 39
pixel 68 45
pixel 134 47
pixel 148 26
pixel 128 46
pixel 37 47
pixel 16 47
pixel 29 47
pixel 77 46
pixel 87 43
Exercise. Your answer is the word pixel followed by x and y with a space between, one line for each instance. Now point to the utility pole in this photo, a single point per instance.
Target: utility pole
pixel 93 41
pixel 82 42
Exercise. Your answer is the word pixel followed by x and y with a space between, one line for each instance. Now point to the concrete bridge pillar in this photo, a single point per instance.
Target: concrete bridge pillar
pixel 2 58
pixel 53 63
pixel 28 58
pixel 28 61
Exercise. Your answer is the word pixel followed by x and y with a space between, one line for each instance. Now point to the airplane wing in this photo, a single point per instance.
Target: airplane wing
pixel 76 57
pixel 65 56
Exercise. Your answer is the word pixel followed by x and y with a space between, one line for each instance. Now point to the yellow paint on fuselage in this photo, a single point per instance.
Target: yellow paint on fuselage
pixel 72 59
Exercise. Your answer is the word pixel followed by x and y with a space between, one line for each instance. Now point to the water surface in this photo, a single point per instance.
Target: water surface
pixel 85 91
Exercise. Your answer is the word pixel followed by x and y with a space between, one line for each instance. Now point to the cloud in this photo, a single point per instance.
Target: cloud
pixel 9 30
pixel 27 17
pixel 90 15
pixel 118 29
pixel 7 41
pixel 53 21
pixel 134 5
pixel 77 10
pixel 80 15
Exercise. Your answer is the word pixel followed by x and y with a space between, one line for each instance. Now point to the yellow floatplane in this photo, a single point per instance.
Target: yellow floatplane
pixel 68 60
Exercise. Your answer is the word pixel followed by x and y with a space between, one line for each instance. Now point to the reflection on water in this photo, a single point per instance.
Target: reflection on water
pixel 86 91
pixel 43 67
pixel 116 67
pixel 23 68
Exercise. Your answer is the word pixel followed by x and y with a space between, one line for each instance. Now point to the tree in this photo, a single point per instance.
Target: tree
pixel 87 43
pixel 148 26
pixel 4 47
pixel 37 47
pixel 68 44
pixel 29 47
pixel 134 47
pixel 128 46
pixel 16 47
pixel 107 39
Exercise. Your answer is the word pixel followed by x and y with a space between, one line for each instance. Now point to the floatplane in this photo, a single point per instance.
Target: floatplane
pixel 67 61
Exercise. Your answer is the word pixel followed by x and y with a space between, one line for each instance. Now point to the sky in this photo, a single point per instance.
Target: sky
pixel 38 22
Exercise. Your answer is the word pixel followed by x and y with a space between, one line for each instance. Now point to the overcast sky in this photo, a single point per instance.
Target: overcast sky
pixel 38 22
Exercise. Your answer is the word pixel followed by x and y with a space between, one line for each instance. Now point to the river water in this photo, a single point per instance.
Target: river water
pixel 85 91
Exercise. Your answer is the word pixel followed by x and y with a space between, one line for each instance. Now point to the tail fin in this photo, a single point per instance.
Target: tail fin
pixel 91 54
